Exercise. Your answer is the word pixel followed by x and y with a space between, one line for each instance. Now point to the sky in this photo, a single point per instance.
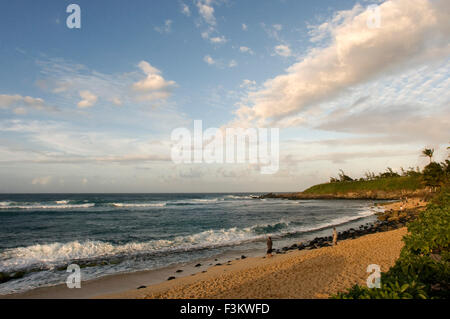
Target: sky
pixel 352 85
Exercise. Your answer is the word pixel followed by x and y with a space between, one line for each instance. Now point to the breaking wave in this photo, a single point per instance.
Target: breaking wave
pixel 137 205
pixel 49 256
pixel 44 206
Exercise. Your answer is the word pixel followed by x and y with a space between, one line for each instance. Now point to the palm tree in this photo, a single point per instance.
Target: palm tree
pixel 428 152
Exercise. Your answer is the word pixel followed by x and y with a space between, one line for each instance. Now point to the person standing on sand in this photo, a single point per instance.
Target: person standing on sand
pixel 269 246
pixel 334 236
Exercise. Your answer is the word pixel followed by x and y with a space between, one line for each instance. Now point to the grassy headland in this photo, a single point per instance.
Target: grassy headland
pixel 385 185
pixel 388 184
pixel 383 188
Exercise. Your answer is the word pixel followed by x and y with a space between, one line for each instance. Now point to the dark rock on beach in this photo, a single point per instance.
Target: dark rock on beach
pixel 389 220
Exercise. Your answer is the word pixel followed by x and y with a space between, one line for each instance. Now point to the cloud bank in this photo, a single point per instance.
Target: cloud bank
pixel 411 33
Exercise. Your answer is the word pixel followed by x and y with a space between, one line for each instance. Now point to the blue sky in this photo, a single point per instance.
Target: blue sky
pixel 92 109
pixel 114 38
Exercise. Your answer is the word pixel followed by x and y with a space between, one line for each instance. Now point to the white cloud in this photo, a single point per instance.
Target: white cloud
pixel 283 50
pixel 8 100
pixel 206 11
pixel 116 101
pixel 218 40
pixel 205 34
pixel 219 63
pixel 60 142
pixel 166 28
pixel 411 125
pixel 244 27
pixel 277 27
pixel 232 64
pixel 411 33
pixel 208 59
pixel 129 89
pixel 67 80
pixel 20 111
pixel 21 104
pixel 41 180
pixel 273 30
pixel 245 49
pixel 247 84
pixel 154 86
pixel 185 9
pixel 88 99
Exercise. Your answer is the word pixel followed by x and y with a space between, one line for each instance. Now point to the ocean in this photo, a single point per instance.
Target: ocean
pixel 105 234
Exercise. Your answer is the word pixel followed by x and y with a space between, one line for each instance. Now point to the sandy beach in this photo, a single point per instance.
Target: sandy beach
pixel 317 273
pixel 300 274
pixel 414 202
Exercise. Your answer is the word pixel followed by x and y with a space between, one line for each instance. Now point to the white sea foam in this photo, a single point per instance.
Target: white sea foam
pixel 346 219
pixel 137 205
pixel 45 206
pixel 206 200
pixel 291 229
pixel 240 196
pixel 3 204
pixel 196 201
pixel 54 254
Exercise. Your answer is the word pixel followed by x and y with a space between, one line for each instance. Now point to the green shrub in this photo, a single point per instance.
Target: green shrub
pixel 423 269
pixel 429 234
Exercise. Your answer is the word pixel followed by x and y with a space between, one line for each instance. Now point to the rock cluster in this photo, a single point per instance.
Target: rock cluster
pixel 388 220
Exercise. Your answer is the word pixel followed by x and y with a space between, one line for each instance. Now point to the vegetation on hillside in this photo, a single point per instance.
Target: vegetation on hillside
pixel 423 269
pixel 433 176
pixel 385 184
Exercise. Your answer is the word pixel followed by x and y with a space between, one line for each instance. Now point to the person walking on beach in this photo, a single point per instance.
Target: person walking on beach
pixel 269 246
pixel 334 236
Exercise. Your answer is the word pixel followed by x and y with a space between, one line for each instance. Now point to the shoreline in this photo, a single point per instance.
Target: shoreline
pixel 316 273
pixel 129 283
pixel 323 271
pixel 120 282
